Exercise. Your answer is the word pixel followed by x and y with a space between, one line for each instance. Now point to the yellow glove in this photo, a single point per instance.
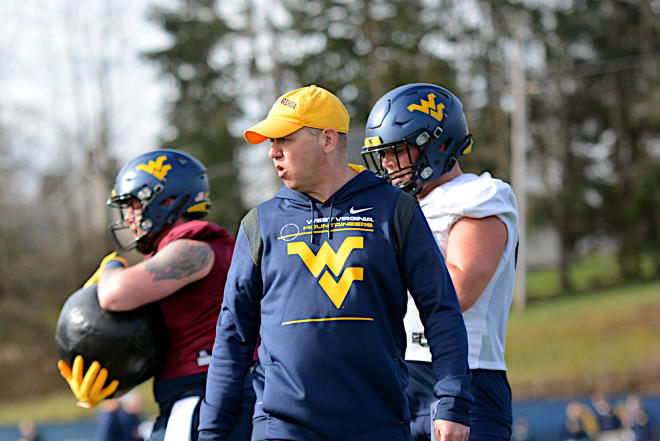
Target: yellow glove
pixel 112 260
pixel 88 390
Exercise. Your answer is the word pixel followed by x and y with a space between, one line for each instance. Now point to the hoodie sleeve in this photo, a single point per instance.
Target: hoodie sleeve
pixel 430 285
pixel 236 336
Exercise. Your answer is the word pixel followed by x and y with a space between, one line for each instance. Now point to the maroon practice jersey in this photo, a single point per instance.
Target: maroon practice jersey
pixel 191 314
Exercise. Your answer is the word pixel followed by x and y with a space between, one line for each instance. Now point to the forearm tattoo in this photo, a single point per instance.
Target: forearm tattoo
pixel 189 259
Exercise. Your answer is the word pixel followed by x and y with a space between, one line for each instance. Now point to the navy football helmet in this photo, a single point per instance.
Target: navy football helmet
pixel 422 115
pixel 168 184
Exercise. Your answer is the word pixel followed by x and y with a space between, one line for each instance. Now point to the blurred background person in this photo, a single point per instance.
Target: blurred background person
pixel 580 423
pixel 521 430
pixel 115 423
pixel 133 404
pixel 637 420
pixel 29 430
pixel 609 423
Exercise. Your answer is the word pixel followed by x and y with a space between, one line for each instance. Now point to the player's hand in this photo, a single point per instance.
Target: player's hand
pixel 450 431
pixel 112 260
pixel 88 389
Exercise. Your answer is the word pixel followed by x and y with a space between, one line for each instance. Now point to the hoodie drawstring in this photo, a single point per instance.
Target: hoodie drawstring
pixel 332 202
pixel 312 214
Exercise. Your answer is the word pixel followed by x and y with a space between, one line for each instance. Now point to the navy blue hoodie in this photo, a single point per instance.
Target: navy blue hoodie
pixel 323 285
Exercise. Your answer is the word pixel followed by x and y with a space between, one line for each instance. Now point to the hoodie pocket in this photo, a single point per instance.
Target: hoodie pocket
pixel 277 390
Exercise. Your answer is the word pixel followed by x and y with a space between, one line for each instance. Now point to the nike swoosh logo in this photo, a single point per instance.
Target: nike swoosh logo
pixel 359 210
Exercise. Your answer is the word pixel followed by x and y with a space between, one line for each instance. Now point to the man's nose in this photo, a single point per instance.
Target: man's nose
pixel 275 151
pixel 134 219
pixel 133 213
pixel 387 157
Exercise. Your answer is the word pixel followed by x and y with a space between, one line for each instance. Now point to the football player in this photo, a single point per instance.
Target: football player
pixel 161 198
pixel 414 137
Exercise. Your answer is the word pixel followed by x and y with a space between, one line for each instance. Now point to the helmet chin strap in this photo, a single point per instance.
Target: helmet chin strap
pixel 413 187
pixel 422 171
pixel 417 187
pixel 449 164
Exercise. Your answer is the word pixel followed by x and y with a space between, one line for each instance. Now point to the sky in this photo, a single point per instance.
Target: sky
pixel 55 58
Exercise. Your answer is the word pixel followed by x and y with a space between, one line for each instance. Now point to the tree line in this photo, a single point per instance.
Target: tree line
pixel 593 70
pixel 593 77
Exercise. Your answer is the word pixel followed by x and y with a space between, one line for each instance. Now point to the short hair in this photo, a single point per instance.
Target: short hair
pixel 342 139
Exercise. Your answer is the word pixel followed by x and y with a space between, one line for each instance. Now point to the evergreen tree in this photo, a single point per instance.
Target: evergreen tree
pixel 364 48
pixel 200 63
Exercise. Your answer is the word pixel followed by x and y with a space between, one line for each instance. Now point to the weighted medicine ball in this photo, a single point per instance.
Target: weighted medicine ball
pixel 129 344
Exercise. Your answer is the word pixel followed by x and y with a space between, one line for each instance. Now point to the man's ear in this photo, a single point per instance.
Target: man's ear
pixel 328 139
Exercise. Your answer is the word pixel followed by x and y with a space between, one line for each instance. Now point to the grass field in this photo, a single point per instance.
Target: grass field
pixel 595 333
pixel 577 336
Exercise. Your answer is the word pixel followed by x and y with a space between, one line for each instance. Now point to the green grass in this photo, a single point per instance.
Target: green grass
pixel 611 331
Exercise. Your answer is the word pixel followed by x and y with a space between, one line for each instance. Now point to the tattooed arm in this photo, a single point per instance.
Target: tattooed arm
pixel 181 262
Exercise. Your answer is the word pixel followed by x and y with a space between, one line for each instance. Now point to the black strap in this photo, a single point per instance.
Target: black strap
pixel 404 209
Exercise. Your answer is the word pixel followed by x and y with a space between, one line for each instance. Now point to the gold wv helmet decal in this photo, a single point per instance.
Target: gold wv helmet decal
pixel 156 168
pixel 429 107
pixel 326 256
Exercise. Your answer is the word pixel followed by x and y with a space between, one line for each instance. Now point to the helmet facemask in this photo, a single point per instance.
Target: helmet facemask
pixel 373 157
pixel 124 238
pixel 157 215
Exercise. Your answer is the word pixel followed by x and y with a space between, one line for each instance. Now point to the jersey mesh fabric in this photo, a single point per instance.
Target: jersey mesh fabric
pixel 473 196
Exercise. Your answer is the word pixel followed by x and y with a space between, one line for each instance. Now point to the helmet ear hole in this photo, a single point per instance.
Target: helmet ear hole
pixel 167 202
pixel 444 146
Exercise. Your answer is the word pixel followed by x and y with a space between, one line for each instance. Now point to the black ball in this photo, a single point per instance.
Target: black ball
pixel 131 345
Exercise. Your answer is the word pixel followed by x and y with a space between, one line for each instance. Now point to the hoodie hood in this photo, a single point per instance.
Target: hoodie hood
pixel 364 180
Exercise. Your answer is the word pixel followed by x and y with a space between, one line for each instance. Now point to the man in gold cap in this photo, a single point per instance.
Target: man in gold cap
pixel 319 276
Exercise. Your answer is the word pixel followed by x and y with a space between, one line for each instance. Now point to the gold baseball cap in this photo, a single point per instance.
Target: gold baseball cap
pixel 309 106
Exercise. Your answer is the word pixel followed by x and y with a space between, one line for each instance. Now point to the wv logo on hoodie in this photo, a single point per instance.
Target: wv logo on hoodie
pixel 326 256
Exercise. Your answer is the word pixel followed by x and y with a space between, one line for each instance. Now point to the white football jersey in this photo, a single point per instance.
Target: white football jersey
pixel 469 195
